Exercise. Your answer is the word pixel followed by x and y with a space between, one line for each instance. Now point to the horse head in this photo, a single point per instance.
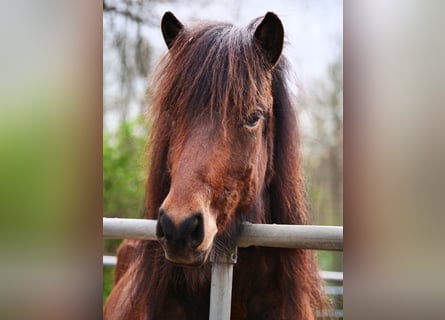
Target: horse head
pixel 216 105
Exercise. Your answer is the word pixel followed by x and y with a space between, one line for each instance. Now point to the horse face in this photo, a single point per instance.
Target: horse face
pixel 214 172
pixel 217 157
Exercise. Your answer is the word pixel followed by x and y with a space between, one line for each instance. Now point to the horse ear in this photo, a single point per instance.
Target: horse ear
pixel 170 27
pixel 270 36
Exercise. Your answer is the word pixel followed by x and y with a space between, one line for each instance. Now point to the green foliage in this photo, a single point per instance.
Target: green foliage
pixel 124 171
pixel 124 174
pixel 330 260
pixel 108 273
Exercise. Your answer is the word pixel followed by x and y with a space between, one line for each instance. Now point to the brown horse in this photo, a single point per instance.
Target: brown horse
pixel 224 149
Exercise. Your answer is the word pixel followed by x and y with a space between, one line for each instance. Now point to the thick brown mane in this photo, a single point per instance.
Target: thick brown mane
pixel 215 73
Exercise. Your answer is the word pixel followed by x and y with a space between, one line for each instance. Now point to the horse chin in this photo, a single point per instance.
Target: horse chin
pixel 195 259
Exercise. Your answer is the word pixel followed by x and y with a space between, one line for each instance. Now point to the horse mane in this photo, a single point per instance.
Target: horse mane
pixel 288 196
pixel 186 77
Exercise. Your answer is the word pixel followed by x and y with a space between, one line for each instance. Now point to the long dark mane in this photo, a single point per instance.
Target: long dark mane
pixel 218 70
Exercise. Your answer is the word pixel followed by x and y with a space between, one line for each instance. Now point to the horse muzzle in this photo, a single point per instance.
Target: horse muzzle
pixel 183 242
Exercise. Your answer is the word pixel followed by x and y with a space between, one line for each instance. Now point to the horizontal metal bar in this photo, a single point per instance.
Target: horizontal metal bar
pixel 332 275
pixel 267 235
pixel 292 236
pixel 110 261
pixel 118 228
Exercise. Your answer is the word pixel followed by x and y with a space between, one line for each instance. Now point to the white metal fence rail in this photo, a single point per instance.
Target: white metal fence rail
pixel 267 235
pixel 111 261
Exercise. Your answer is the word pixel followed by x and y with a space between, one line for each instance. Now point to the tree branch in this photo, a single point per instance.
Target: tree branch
pixel 125 13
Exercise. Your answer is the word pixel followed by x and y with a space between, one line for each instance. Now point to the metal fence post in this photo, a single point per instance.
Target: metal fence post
pixel 221 285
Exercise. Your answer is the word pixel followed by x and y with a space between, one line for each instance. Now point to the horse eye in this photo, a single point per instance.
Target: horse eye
pixel 252 119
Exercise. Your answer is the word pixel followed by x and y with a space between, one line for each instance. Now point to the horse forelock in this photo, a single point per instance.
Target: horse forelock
pixel 213 72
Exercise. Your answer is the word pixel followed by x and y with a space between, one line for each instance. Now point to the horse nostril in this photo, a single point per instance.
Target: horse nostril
pixel 190 232
pixel 193 230
pixel 165 227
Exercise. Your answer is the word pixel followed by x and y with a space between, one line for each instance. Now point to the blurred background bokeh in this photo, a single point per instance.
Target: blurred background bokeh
pixel 133 44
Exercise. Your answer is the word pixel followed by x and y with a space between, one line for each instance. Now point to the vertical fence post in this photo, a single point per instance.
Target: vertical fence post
pixel 221 285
